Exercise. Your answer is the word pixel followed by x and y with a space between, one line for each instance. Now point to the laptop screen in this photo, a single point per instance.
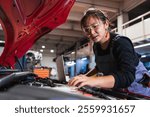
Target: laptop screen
pixel 60 69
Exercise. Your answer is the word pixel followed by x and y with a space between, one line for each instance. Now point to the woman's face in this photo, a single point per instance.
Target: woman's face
pixel 95 29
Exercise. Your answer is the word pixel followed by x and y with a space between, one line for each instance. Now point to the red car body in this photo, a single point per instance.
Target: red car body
pixel 25 21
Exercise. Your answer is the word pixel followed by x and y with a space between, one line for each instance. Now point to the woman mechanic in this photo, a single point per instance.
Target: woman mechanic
pixel 115 57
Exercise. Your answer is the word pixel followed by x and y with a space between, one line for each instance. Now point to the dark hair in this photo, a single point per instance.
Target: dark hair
pixel 93 13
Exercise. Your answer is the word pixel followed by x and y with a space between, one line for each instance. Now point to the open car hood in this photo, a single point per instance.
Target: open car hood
pixel 25 21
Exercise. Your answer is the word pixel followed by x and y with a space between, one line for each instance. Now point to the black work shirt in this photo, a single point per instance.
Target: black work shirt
pixel 125 58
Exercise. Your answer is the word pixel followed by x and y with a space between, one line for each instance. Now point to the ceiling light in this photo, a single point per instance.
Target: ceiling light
pixel 143 56
pixel 41 50
pixel 1 41
pixel 83 59
pixel 143 45
pixel 43 46
pixel 52 51
pixel 72 52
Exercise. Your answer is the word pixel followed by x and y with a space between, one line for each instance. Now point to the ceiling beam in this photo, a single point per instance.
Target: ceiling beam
pixel 75 16
pixel 42 41
pixel 106 5
pixel 70 26
pixel 130 4
pixel 68 33
pixel 64 38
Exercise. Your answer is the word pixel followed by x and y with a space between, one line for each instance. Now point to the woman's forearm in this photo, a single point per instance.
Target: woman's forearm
pixel 105 81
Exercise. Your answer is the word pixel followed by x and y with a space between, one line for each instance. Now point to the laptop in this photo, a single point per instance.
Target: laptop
pixel 60 69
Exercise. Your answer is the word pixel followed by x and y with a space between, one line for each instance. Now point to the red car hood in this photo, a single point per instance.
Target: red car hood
pixel 25 21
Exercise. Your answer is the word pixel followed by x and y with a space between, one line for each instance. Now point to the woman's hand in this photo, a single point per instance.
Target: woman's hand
pixel 82 80
pixel 100 82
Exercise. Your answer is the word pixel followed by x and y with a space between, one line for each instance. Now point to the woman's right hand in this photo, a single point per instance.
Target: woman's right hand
pixel 100 81
pixel 83 80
